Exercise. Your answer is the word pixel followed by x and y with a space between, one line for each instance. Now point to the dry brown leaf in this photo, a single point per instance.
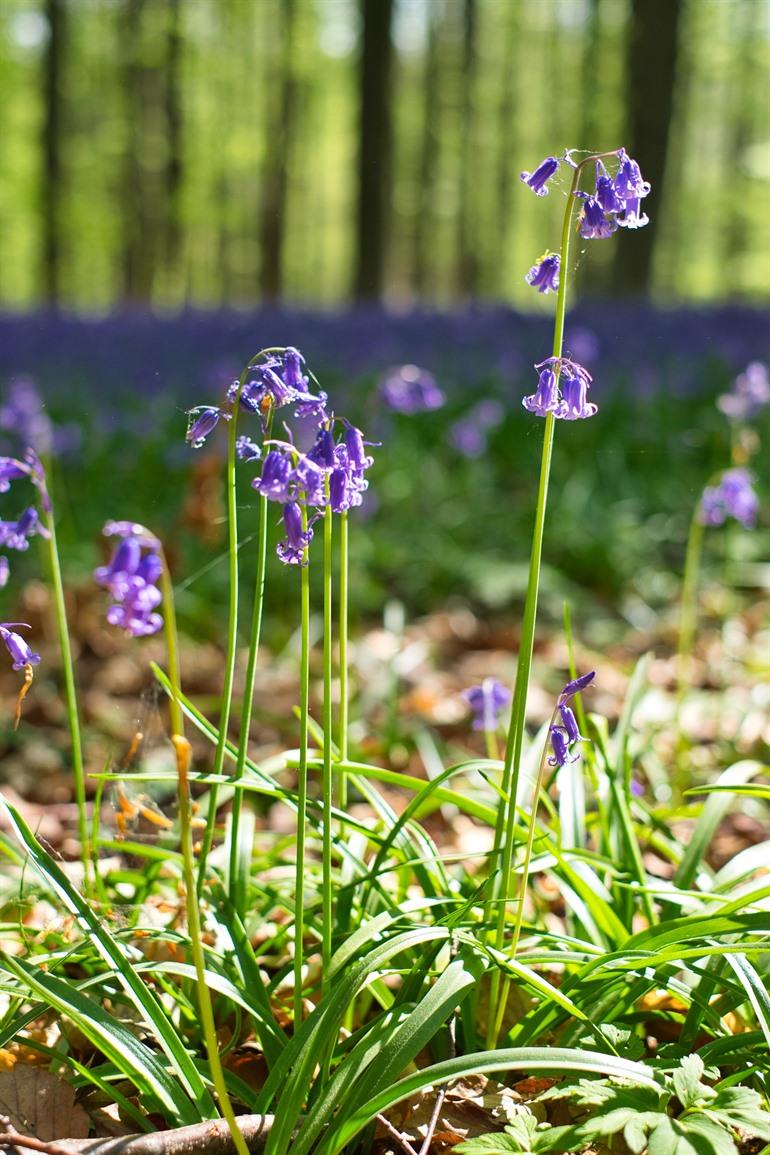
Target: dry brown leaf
pixel 39 1104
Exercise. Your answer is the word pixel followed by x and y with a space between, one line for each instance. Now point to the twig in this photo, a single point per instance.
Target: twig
pixel 211 1138
pixel 394 1133
pixel 433 1120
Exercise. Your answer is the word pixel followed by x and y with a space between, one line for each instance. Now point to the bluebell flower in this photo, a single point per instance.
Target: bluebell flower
pixel 16 534
pixel 576 686
pixel 131 578
pixel 561 748
pixel 734 497
pixel 409 389
pixel 21 653
pixel 566 736
pixel 575 382
pixel 293 549
pixel 750 392
pixel 322 452
pixel 201 422
pixel 629 183
pixel 544 274
pixel 487 701
pixel 605 193
pixel 273 483
pixel 10 470
pixel 594 223
pixel 307 483
pixel 292 369
pixel 469 434
pixel 546 398
pixel 539 179
pixel 632 217
pixel 246 449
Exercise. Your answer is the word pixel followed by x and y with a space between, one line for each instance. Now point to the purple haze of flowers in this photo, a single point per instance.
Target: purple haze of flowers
pixel 487 701
pixel 749 394
pixel 734 496
pixel 23 415
pixel 571 404
pixel 538 180
pixel 566 736
pixel 131 578
pixel 469 434
pixel 21 653
pixel 409 389
pixel 544 274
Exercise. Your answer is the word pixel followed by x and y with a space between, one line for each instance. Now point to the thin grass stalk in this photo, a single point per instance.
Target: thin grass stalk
pixel 689 607
pixel 504 840
pixel 302 772
pixel 236 884
pixel 327 902
pixel 183 752
pixel 70 690
pixel 342 740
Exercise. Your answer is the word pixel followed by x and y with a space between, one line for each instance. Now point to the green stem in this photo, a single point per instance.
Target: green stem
pixel 343 647
pixel 689 609
pixel 236 880
pixel 326 781
pixel 183 754
pixel 70 691
pixel 304 696
pixel 504 829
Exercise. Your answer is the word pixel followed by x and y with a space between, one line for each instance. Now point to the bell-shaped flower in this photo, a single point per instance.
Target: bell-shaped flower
pixel 538 180
pixel 544 274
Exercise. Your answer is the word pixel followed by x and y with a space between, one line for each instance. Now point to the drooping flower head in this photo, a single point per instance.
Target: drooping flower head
pixel 201 422
pixel 734 497
pixel 594 222
pixel 629 183
pixel 544 274
pixel 131 578
pixel 538 180
pixel 562 389
pixel 20 651
pixel 487 701
pixel 750 392
pixel 565 734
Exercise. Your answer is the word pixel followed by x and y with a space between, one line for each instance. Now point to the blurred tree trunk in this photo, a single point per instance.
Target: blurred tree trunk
pixel 282 97
pixel 132 191
pixel 174 162
pixel 466 279
pixel 431 117
pixel 374 148
pixel 52 149
pixel 507 141
pixel 651 70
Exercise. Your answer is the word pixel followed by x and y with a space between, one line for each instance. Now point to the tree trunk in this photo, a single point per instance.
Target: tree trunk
pixel 429 153
pixel 275 181
pixel 173 115
pixel 507 140
pixel 52 167
pixel 375 148
pixel 467 249
pixel 652 58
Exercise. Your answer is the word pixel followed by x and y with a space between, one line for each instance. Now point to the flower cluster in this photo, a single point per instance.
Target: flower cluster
pixel 734 496
pixel 562 389
pixel 330 475
pixel 565 734
pixel 408 389
pixel 276 382
pixel 749 394
pixel 15 534
pixel 131 578
pixel 487 701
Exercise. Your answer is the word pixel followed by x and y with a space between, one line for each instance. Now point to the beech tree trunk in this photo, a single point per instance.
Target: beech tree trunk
pixel 52 150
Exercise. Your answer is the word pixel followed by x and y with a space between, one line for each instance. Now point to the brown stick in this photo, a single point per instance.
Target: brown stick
pixel 212 1138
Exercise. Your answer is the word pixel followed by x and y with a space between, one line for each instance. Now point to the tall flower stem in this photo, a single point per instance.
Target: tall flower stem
pixel 689 607
pixel 326 781
pixel 68 669
pixel 236 880
pixel 232 617
pixel 183 755
pixel 342 741
pixel 304 703
pixel 506 820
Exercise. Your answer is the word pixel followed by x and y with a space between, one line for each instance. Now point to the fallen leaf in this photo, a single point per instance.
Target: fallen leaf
pixel 41 1105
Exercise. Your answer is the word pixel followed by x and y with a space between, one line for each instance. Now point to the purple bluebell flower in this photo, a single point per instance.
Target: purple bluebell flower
pixel 292 369
pixel 409 389
pixel 246 449
pixel 293 549
pixel 16 534
pixel 629 183
pixel 273 483
pixel 10 470
pixel 487 701
pixel 311 405
pixel 632 217
pixel 355 446
pixel 567 735
pixel 544 274
pixel 750 393
pixel 734 497
pixel 594 223
pixel 20 651
pixel 201 422
pixel 469 434
pixel 605 193
pixel 322 452
pixel 538 180
pixel 131 578
pixel 575 382
pixel 265 390
pixel 308 481
pixel 546 398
